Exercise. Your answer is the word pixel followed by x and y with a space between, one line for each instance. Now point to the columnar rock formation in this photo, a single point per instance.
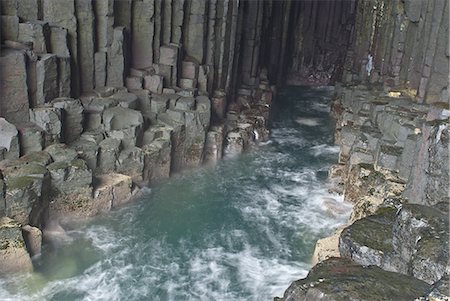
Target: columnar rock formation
pixel 101 97
pixel 392 126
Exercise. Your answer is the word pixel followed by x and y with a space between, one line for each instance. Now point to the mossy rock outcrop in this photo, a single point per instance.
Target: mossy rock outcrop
pixel 411 240
pixel 340 279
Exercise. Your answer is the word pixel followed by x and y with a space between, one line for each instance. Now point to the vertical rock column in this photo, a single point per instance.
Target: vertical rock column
pixel 86 34
pixel 62 14
pixel 104 15
pixel 142 32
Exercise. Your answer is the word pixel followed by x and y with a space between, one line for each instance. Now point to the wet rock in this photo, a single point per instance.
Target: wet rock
pixel 342 279
pixel 234 144
pixel 14 257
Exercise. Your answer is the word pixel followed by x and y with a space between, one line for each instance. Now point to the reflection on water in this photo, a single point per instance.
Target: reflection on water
pixel 242 230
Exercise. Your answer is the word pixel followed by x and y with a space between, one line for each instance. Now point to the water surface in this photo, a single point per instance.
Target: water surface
pixel 241 230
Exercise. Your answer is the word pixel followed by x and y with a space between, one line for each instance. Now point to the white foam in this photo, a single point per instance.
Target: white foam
pixel 308 121
pixel 324 149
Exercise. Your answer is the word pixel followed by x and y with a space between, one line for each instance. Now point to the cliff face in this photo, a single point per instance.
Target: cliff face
pixel 402 44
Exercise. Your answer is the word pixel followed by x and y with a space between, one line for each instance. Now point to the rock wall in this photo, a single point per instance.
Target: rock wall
pixel 99 98
pixel 392 126
pixel 403 44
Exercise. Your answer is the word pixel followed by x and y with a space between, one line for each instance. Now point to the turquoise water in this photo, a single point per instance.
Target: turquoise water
pixel 241 230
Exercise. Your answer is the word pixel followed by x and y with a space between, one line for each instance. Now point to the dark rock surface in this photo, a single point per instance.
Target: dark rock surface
pixel 338 279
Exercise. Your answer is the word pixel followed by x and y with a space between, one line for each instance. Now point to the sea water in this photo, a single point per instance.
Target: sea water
pixel 241 230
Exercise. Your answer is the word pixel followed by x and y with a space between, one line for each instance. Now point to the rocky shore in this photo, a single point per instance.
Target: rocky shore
pixel 393 166
pixel 392 127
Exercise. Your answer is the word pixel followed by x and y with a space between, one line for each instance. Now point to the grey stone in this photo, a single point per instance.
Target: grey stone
pixel 134 82
pixel 189 70
pixel 64 77
pixel 48 119
pixel 113 190
pixel 47 79
pixel 153 83
pixel 142 34
pixel 86 35
pixel 387 156
pixel 116 61
pixel 61 152
pixel 59 41
pixel 187 83
pixel 108 154
pixel 10 27
pixel 36 32
pixel 131 163
pixel 70 177
pixel 87 150
pixel 31 138
pixel 27 10
pixel 13 85
pixel 72 117
pixel 62 14
pixel 26 193
pixel 100 69
pixel 14 257
pixel 9 139
pixel 168 55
